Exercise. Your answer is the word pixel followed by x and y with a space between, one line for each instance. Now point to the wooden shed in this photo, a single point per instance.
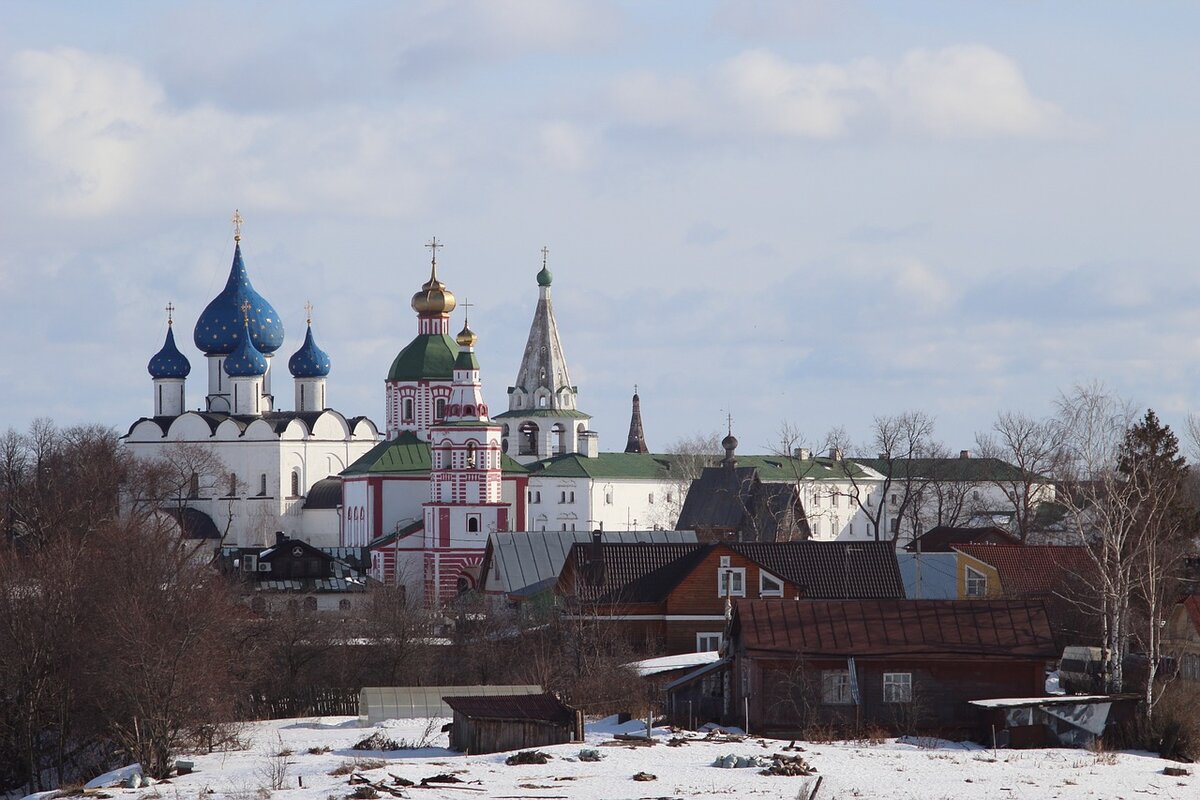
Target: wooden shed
pixel 496 724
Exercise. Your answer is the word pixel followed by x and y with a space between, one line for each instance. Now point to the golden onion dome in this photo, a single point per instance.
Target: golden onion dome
pixel 434 297
pixel 466 337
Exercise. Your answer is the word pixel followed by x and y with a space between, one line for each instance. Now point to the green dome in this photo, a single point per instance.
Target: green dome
pixel 544 277
pixel 429 356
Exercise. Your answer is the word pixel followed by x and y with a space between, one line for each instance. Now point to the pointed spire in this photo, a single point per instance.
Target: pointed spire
pixel 637 437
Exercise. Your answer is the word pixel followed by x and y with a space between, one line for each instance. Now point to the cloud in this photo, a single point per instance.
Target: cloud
pixel 961 91
pixel 565 145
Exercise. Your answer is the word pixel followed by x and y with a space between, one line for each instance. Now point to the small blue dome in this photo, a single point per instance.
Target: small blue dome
pixel 245 361
pixel 309 361
pixel 169 362
pixel 220 326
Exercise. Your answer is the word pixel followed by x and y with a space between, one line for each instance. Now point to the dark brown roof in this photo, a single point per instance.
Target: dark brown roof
pixel 943 538
pixel 1026 570
pixel 727 498
pixel 632 573
pixel 649 572
pixel 862 628
pixel 541 707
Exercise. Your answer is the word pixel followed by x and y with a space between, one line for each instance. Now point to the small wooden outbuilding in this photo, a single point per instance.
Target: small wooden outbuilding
pixel 496 724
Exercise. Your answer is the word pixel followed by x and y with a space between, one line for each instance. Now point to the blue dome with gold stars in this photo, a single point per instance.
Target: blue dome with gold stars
pixel 309 361
pixel 245 361
pixel 169 362
pixel 220 329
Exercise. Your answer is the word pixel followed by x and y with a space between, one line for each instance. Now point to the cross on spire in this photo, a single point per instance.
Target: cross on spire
pixel 246 313
pixel 433 246
pixel 237 225
pixel 466 307
pixel 545 255
pixel 635 391
pixel 729 423
pixel 170 313
pixel 308 309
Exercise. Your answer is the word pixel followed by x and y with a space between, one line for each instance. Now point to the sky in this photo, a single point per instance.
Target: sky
pixel 807 212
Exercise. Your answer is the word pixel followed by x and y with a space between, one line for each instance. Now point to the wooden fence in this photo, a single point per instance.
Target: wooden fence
pixel 311 702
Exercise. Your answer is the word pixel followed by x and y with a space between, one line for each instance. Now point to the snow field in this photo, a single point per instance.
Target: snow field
pixel 925 769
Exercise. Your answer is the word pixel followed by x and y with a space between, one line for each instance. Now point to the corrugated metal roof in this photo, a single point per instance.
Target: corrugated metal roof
pixel 933 628
pixel 377 703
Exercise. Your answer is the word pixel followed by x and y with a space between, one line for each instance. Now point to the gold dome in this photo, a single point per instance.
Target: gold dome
pixel 434 297
pixel 466 337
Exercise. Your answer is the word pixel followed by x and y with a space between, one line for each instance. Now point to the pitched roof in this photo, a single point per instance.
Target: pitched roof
pixel 648 573
pixel 945 469
pixel 677 466
pixel 407 455
pixel 1033 569
pixel 539 707
pixel 830 569
pixel 527 562
pixel 862 628
pixel 735 499
pixel 943 538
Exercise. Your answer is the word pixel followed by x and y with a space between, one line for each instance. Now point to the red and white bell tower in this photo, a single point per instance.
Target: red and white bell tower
pixel 464 483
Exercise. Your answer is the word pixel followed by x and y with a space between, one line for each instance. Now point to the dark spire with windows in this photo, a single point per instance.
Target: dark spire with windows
pixel 637 437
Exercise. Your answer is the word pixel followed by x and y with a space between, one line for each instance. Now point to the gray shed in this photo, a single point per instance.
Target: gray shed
pixel 516 722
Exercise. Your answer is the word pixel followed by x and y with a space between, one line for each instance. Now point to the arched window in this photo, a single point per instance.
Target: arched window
pixel 529 439
pixel 295 483
pixel 439 409
pixel 559 435
pixel 472 524
pixel 262 485
pixel 471 453
pixel 194 486
pixel 344 604
pixel 408 410
pixel 233 484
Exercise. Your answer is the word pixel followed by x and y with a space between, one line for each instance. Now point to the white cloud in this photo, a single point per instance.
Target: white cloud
pixel 959 91
pixel 565 145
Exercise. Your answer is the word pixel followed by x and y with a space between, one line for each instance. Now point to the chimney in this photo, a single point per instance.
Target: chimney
pixel 964 453
pixel 803 453
pixel 280 538
pixel 589 444
pixel 835 453
pixel 596 558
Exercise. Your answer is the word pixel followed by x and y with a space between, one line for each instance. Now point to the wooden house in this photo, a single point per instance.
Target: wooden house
pixel 514 722
pixel 905 665
pixel 943 538
pixel 1181 639
pixel 672 598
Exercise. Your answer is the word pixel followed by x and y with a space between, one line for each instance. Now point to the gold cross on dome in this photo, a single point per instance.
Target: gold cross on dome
pixel 433 246
pixel 308 309
pixel 246 312
pixel 237 225
pixel 170 313
pixel 466 307
pixel 545 255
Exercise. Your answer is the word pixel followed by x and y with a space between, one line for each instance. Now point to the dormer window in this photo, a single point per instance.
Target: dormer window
pixel 769 585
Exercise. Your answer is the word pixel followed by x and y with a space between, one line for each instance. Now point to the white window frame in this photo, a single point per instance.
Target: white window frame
pixel 763 591
pixel 737 584
pixel 705 637
pixel 974 583
pixel 897 687
pixel 835 687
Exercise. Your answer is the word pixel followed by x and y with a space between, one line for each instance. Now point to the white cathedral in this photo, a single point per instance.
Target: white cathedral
pixel 421 499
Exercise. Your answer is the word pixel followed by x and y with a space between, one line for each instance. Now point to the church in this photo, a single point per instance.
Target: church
pixel 420 500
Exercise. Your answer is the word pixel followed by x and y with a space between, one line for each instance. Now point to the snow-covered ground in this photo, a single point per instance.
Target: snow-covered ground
pixel 893 769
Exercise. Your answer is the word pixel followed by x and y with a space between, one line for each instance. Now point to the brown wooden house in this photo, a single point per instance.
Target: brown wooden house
pixel 672 598
pixel 905 665
pixel 514 722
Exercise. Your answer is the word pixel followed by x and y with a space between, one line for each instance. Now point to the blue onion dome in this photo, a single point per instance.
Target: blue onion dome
pixel 245 361
pixel 220 327
pixel 309 361
pixel 169 362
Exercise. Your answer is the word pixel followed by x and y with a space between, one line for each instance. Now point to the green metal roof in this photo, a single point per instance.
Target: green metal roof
pixel 543 412
pixel 430 356
pixel 946 469
pixel 408 455
pixel 466 360
pixel 668 466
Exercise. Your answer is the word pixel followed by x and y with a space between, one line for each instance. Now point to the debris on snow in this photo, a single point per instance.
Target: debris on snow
pixel 645 776
pixel 527 757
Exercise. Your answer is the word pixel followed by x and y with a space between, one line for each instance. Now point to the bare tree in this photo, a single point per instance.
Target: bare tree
pixel 896 442
pixel 689 456
pixel 1034 448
